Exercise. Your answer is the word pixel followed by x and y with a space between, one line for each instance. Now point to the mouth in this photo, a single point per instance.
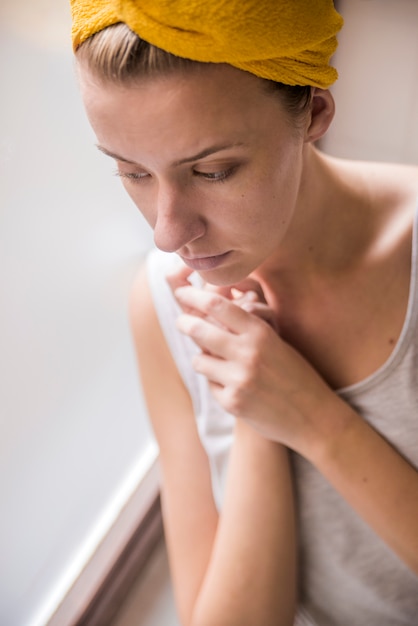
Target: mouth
pixel 202 263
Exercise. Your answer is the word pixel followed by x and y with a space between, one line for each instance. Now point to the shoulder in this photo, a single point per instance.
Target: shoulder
pixel 391 186
pixel 149 340
pixel 151 303
pixel 396 193
pixel 386 198
pixel 395 184
pixel 378 180
pixel 157 368
pixel 141 308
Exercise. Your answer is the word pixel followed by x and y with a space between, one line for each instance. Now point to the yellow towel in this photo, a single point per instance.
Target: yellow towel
pixel 288 41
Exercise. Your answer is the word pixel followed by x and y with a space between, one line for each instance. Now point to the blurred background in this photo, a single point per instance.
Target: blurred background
pixel 377 91
pixel 74 438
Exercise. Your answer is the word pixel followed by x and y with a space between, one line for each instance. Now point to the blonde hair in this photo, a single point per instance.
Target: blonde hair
pixel 118 55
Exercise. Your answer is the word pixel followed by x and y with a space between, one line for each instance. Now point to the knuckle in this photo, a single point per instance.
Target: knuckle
pixel 197 331
pixel 233 402
pixel 251 360
pixel 214 302
pixel 238 392
pixel 263 332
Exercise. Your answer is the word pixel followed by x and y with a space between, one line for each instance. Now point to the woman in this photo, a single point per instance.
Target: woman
pixel 280 370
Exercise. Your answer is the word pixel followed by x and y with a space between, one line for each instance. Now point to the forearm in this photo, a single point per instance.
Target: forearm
pixel 251 576
pixel 379 484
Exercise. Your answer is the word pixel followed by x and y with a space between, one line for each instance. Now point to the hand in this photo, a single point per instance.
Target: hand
pixel 252 372
pixel 247 294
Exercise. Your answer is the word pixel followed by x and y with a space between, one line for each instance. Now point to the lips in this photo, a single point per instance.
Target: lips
pixel 202 263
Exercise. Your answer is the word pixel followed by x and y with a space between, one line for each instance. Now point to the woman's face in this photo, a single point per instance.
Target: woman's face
pixel 210 159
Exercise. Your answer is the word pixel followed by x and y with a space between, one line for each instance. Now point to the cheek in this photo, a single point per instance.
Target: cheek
pixel 286 179
pixel 265 210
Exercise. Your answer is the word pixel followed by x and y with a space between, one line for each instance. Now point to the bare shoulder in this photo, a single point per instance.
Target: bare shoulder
pixel 157 369
pixel 393 185
pixel 380 178
pixel 397 201
pixel 142 314
pixel 387 193
pixel 141 310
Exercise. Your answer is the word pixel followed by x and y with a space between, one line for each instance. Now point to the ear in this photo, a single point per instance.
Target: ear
pixel 322 113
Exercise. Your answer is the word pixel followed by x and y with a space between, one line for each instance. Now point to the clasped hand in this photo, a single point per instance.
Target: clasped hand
pixel 252 372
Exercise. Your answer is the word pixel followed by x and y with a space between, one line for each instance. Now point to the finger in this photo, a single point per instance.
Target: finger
pixel 263 312
pixel 210 338
pixel 179 280
pixel 213 368
pixel 241 298
pixel 232 292
pixel 216 307
pixel 250 284
pixel 224 291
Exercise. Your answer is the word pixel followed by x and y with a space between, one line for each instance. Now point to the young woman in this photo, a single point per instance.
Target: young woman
pixel 276 328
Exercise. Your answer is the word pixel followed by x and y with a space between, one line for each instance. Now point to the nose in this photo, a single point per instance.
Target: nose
pixel 177 221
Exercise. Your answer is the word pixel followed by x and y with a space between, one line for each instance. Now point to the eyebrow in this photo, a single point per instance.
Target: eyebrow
pixel 114 156
pixel 195 157
pixel 207 152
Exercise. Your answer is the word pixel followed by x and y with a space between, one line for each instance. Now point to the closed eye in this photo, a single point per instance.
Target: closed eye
pixel 136 176
pixel 215 176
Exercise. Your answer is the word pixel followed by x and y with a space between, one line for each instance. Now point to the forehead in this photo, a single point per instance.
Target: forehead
pixel 179 111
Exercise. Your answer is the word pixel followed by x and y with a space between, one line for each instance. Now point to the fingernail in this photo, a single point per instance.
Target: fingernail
pixel 250 296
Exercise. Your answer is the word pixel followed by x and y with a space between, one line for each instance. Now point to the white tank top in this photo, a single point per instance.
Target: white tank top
pixel 348 576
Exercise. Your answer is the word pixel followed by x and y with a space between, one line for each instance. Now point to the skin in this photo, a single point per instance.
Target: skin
pixel 265 169
pixel 317 247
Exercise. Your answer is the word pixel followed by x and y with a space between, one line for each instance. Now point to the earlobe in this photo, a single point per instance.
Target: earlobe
pixel 322 114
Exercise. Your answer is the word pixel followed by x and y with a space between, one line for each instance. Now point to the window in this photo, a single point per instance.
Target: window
pixel 75 441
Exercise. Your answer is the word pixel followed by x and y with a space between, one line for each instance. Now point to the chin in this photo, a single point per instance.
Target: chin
pixel 226 278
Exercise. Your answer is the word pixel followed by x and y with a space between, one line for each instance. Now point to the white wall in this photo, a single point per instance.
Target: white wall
pixel 72 421
pixel 377 92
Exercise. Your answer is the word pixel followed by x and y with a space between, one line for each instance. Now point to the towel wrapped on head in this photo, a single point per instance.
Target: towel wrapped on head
pixel 287 41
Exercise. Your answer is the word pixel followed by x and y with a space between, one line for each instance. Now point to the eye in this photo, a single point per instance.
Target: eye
pixel 134 176
pixel 218 176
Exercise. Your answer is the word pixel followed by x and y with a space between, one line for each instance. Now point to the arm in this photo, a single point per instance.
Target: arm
pixel 371 475
pixel 238 568
pixel 255 368
pixel 251 574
